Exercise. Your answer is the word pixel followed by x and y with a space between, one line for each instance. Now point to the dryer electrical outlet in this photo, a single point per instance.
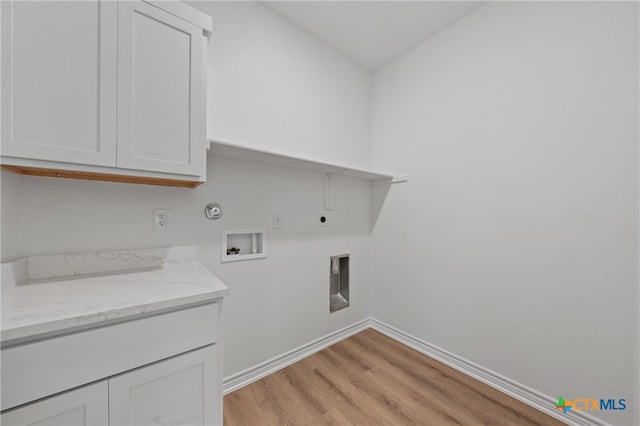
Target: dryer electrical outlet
pixel 323 219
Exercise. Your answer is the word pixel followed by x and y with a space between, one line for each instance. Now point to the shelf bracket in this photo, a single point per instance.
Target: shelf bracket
pixel 400 178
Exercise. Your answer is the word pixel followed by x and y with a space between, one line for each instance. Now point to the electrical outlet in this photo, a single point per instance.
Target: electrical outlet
pixel 161 219
pixel 323 219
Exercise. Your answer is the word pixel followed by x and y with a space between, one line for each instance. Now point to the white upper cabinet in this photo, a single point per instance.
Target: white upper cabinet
pixel 59 65
pixel 117 85
pixel 161 94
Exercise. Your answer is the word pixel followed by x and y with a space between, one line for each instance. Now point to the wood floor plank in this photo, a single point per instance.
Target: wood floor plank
pixel 334 417
pixel 370 379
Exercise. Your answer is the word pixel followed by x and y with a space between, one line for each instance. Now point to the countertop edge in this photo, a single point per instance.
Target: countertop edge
pixel 41 331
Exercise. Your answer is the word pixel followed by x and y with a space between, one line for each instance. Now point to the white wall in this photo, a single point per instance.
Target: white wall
pixel 276 304
pixel 515 242
pixel 9 214
pixel 272 86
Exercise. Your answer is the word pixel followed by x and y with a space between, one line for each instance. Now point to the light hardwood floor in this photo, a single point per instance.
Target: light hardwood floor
pixel 370 379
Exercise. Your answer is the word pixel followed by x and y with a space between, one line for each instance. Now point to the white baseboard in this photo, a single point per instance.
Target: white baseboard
pixel 250 375
pixel 537 400
pixel 544 403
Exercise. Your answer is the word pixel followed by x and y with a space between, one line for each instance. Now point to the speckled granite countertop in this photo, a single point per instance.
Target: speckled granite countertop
pixel 48 295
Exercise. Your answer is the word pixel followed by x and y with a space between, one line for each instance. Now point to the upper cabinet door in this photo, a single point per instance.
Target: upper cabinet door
pixel 161 93
pixel 59 70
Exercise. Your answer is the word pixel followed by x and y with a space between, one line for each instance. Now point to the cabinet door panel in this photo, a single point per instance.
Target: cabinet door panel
pixel 177 391
pixel 81 407
pixel 59 68
pixel 161 91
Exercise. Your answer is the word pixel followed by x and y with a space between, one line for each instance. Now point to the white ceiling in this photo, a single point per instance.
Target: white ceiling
pixel 372 32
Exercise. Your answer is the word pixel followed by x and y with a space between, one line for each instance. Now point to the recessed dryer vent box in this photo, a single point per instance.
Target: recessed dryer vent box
pixel 243 244
pixel 338 282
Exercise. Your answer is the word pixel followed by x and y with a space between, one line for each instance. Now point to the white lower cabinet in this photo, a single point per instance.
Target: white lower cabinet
pixel 88 405
pixel 178 391
pixel 159 370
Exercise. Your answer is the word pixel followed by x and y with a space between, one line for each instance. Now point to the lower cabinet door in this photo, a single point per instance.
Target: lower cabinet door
pixel 84 406
pixel 182 390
